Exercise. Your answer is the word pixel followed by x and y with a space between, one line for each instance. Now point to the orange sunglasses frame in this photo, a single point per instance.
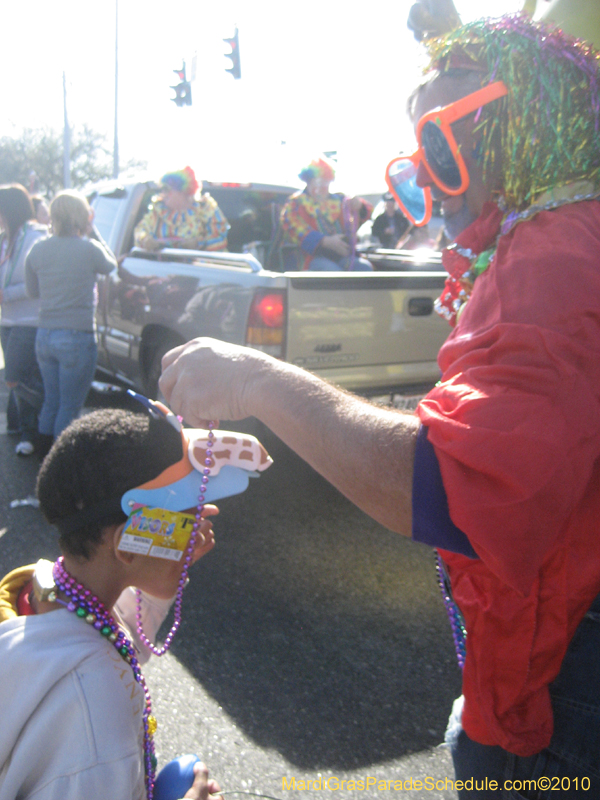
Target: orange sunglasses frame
pixel 443 117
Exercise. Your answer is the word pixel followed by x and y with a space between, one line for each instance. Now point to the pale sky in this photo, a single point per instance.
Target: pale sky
pixel 326 75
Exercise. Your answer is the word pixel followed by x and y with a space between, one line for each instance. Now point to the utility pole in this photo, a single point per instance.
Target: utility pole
pixel 116 138
pixel 66 140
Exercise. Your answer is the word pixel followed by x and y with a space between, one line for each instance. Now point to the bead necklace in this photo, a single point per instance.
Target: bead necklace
pixel 460 258
pixel 473 252
pixel 89 608
pixel 457 623
pixel 160 651
pixel 514 217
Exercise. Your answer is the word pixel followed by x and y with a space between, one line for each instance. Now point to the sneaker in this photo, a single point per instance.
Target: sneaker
pixel 24 448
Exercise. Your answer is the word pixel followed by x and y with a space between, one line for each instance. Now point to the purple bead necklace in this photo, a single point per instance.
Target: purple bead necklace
pixel 457 623
pixel 160 651
pixel 89 608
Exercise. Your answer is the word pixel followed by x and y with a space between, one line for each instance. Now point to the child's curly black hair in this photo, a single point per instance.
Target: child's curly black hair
pixel 92 464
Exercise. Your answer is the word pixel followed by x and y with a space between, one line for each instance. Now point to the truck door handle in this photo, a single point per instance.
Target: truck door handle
pixel 420 306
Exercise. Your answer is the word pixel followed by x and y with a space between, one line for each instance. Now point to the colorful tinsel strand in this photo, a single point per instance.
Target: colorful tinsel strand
pixel 548 127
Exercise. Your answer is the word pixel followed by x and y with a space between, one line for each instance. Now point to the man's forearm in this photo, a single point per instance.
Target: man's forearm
pixel 365 451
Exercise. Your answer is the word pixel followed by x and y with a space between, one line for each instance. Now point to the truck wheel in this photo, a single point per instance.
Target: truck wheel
pixel 151 381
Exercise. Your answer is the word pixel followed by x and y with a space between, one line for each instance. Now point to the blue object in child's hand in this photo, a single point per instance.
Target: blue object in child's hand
pixel 175 778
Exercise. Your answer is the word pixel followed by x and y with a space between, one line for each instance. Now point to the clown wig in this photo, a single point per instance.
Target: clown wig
pixel 547 129
pixel 182 181
pixel 318 168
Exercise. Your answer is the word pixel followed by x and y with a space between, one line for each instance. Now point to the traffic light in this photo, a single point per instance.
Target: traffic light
pixel 235 68
pixel 183 90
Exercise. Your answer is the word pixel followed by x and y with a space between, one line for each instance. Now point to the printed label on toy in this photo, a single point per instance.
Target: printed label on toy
pixel 157 532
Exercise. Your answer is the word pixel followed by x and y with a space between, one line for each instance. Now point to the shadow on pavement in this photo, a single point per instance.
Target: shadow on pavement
pixel 320 633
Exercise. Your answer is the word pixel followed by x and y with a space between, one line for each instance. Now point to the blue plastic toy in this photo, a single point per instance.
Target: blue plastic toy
pixel 175 778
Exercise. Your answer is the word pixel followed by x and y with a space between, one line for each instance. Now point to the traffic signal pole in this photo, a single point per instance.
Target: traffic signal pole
pixel 116 134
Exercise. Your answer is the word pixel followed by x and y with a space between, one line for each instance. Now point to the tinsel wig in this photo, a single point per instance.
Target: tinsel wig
pixel 547 129
pixel 318 168
pixel 182 181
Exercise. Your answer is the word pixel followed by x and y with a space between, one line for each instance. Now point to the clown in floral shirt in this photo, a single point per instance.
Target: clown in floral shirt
pixel 177 219
pixel 323 225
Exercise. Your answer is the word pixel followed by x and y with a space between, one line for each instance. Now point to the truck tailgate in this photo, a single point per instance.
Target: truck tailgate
pixel 365 331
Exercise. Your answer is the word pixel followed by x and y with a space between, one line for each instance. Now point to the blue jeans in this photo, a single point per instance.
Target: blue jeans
pixel 67 360
pixel 21 368
pixel 573 756
pixel 323 264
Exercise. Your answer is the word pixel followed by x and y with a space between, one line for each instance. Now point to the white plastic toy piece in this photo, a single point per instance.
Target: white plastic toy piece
pixel 231 449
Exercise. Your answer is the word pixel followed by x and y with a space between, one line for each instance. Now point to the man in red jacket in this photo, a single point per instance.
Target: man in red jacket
pixel 500 467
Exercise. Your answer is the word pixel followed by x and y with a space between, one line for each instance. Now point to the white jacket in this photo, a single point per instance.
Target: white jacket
pixel 71 709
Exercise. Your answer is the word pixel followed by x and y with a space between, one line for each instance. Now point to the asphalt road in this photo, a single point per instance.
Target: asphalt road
pixel 314 643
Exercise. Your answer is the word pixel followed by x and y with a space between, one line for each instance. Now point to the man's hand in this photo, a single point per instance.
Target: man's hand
pixel 207 379
pixel 336 244
pixel 203 788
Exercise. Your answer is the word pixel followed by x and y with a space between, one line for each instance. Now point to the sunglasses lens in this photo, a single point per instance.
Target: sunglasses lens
pixel 402 179
pixel 439 157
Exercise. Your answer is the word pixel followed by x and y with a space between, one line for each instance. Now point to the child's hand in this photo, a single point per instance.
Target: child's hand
pixel 203 788
pixel 205 541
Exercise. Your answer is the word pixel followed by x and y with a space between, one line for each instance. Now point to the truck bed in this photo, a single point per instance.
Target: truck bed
pixel 374 332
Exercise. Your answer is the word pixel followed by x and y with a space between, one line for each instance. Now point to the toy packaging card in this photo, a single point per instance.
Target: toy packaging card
pixel 157 532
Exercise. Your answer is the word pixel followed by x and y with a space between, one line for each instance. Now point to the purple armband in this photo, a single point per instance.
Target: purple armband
pixel 432 524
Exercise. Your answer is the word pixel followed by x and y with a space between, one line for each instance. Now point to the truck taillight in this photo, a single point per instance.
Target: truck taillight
pixel 266 323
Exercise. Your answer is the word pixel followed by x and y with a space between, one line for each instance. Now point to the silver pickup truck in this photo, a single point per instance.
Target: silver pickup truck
pixel 374 333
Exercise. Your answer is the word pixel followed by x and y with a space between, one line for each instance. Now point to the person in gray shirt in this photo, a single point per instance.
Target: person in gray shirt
pixel 62 274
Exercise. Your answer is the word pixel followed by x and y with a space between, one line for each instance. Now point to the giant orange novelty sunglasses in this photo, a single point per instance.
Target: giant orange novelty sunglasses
pixel 439 153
